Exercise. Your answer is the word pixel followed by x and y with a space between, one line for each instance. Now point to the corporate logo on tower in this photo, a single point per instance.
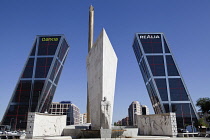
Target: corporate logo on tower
pixel 149 36
pixel 49 39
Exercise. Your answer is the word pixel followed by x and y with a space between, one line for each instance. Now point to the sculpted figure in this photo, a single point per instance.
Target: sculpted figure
pixel 147 128
pixel 143 125
pixel 105 114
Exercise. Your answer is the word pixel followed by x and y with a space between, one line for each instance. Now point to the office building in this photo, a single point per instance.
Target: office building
pixel 163 80
pixel 81 119
pixel 66 108
pixel 38 81
pixel 144 110
pixel 84 118
pixel 134 109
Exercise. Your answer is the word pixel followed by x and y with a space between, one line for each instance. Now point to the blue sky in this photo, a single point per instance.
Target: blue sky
pixel 186 25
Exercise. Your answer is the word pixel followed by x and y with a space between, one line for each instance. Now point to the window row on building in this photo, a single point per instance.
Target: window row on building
pixel 66 108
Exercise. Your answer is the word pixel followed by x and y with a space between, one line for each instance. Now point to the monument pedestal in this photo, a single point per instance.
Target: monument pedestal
pixel 106 133
pixel 102 133
pixel 91 133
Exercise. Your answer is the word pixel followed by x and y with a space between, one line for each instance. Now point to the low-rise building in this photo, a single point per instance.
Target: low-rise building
pixel 125 121
pixel 119 123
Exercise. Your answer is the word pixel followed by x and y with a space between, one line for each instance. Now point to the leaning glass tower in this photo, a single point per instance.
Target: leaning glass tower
pixel 163 80
pixel 38 81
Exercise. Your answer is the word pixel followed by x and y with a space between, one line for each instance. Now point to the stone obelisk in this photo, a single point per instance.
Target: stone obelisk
pixel 90 44
pixel 101 76
pixel 101 73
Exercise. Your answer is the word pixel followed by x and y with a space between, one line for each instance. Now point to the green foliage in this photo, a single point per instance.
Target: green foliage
pixel 204 104
pixel 202 122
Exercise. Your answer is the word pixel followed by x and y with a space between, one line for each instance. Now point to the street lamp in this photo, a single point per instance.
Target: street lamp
pixel 11 123
pixel 193 126
pixel 19 124
pixel 38 101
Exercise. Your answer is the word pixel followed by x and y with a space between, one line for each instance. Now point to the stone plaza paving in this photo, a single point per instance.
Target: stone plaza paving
pixel 137 138
pixel 178 138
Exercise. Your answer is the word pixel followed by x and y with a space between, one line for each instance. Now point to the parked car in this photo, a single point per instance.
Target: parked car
pixel 8 132
pixel 14 132
pixel 183 131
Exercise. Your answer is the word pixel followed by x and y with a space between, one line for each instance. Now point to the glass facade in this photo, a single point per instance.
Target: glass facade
pixel 163 80
pixel 37 84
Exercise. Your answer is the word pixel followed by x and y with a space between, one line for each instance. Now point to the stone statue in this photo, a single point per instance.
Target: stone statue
pixel 105 114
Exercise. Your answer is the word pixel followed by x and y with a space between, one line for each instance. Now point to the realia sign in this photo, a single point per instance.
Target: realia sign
pixel 149 36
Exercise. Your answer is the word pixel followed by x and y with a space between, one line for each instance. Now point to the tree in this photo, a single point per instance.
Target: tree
pixel 204 104
pixel 203 122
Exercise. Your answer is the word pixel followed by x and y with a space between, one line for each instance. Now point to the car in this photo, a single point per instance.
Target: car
pixel 22 132
pixel 14 132
pixel 8 132
pixel 183 131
